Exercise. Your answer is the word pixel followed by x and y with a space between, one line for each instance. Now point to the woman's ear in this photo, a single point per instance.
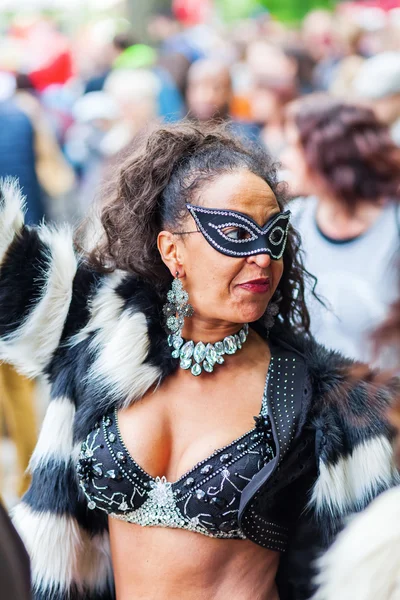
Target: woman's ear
pixel 169 251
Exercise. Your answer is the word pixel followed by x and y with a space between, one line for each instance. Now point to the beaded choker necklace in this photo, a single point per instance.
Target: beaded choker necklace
pixel 199 357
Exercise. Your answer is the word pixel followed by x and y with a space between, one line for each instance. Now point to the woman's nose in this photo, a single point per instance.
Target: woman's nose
pixel 261 260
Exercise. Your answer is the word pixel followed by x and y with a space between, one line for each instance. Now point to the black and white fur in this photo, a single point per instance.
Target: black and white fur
pixel 99 342
pixel 364 561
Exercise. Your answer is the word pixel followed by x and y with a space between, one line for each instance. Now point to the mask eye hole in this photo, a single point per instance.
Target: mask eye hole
pixel 236 233
pixel 276 236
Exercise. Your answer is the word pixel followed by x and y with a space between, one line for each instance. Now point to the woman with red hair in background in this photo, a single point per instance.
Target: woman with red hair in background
pixel 345 164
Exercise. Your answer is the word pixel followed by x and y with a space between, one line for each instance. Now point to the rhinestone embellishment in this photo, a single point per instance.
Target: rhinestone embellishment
pixel 225 457
pixel 199 353
pixel 159 509
pixel 186 350
pixel 121 457
pixel 201 357
pixel 230 346
pixel 196 370
pixel 206 469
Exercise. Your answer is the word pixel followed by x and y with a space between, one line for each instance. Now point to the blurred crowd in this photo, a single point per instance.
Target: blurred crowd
pixel 322 96
pixel 74 103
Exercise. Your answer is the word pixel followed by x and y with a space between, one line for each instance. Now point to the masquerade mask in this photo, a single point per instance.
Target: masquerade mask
pixel 235 234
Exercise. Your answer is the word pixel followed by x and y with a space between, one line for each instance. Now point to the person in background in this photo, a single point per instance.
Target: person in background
pixel 119 44
pixel 320 37
pixel 162 27
pixel 350 38
pixel 135 93
pixel 56 177
pixel 176 65
pixel 209 90
pixel 17 159
pixel 305 65
pixel 209 95
pixel 107 123
pixel 378 83
pixel 274 84
pixel 95 114
pixel 269 97
pixel 17 149
pixel 171 69
pixel 342 158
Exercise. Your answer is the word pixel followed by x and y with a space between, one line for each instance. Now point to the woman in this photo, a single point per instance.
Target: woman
pixel 274 84
pixel 344 161
pixel 160 350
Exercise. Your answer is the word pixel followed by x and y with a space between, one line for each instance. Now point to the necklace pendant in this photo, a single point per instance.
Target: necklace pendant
pixel 196 370
pixel 208 367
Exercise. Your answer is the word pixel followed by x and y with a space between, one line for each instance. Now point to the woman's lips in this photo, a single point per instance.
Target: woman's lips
pixel 257 286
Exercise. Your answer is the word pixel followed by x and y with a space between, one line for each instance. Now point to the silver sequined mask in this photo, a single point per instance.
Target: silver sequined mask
pixel 236 234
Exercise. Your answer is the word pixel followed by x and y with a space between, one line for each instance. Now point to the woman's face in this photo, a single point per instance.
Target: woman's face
pixel 297 173
pixel 218 285
pixel 264 104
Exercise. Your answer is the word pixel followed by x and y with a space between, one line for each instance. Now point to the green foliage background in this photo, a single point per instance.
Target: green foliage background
pixel 284 10
pixel 293 10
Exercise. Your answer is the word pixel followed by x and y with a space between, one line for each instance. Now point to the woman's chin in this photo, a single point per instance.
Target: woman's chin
pixel 252 314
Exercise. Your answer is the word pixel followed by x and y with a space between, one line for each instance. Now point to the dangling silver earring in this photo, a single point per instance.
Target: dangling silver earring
pixel 272 310
pixel 175 311
pixel 196 357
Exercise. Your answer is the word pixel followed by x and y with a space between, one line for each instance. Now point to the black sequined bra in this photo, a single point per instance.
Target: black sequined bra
pixel 205 499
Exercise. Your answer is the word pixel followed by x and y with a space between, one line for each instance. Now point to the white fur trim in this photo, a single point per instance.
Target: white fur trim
pixel 62 553
pixel 11 213
pixel 55 439
pixel 120 364
pixel 364 562
pixel 353 481
pixel 121 343
pixel 105 308
pixel 30 347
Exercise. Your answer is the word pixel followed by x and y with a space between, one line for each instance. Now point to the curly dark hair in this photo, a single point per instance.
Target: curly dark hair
pixel 160 175
pixel 348 148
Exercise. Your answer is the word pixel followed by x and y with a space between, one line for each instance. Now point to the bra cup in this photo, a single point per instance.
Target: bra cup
pixel 206 499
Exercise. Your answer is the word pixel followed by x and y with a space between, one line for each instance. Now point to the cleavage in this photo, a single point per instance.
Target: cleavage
pixel 164 449
pixel 252 436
